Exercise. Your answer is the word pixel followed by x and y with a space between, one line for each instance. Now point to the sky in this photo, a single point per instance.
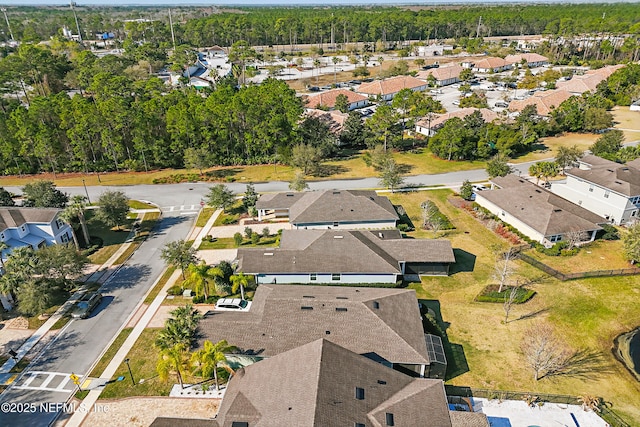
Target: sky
pixel 276 2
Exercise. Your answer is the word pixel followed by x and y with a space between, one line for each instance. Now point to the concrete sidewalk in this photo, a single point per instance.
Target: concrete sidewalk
pixel 77 418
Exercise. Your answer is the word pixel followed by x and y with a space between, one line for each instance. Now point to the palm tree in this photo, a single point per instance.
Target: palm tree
pixel 173 360
pixel 210 357
pixel 78 205
pixel 335 60
pixel 316 64
pixel 239 281
pixel 186 316
pixel 199 276
pixel 173 334
pixel 3 247
pixel 380 61
pixel 67 215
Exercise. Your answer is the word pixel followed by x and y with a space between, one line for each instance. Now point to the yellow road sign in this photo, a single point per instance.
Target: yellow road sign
pixel 74 378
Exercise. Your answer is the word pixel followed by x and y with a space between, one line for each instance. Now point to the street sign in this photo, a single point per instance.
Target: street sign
pixel 201 202
pixel 75 379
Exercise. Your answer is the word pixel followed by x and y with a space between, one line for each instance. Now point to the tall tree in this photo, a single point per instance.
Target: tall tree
pixel 631 243
pixel 5 198
pixel 43 194
pixel 211 356
pixel 173 360
pixel 391 175
pixel 298 183
pixel 544 352
pixel 114 207
pixel 498 166
pixel 567 156
pixel 608 145
pixel 76 207
pixel 198 277
pixel 220 197
pixel 239 281
pixel 179 254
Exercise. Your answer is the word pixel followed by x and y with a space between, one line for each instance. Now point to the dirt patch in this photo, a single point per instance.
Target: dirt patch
pixel 18 323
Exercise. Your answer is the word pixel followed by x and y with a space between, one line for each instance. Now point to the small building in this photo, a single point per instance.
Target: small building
pixel 544 101
pixel 589 81
pixel 533 60
pixel 32 227
pixel 429 125
pixel 606 188
pixel 433 49
pixel 383 324
pixel 444 76
pixel 386 89
pixel 491 64
pixel 538 213
pixel 328 99
pixel 334 119
pixel 323 384
pixel 346 257
pixel 337 209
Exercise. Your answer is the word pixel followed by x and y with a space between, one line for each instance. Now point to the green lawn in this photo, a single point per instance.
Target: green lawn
pixel 111 351
pixel 137 204
pixel 204 216
pixel 111 237
pixel 229 243
pixel 158 287
pixel 588 314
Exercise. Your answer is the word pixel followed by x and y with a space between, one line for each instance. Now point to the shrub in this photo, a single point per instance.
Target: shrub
pixel 248 232
pixel 237 239
pixel 212 299
pixel 432 326
pixel 403 227
pixel 265 232
pixel 174 290
pixel 230 220
pixel 255 238
pixel 199 299
pixel 491 294
pixel 609 232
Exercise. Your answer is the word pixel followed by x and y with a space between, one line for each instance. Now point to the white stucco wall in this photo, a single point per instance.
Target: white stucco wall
pixel 346 225
pixel 511 220
pixel 325 278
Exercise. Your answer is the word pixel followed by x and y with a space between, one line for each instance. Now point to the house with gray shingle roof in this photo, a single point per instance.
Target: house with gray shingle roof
pixel 341 209
pixel 346 256
pixel 606 188
pixel 324 384
pixel 538 213
pixel 32 227
pixel 384 324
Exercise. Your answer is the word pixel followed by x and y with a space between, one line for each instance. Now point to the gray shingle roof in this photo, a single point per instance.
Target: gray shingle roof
pixel 331 205
pixel 468 419
pixel 622 179
pixel 342 251
pixel 277 323
pixel 16 217
pixel 540 209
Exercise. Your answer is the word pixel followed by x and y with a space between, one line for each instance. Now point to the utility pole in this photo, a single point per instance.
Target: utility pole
pixel 478 30
pixel 72 4
pixel 173 36
pixel 4 10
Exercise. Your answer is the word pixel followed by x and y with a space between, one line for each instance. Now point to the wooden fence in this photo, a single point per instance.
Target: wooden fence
pixel 582 275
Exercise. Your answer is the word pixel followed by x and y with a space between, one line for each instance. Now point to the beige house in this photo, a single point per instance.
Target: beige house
pixel 387 88
pixel 545 101
pixel 328 99
pixel 444 75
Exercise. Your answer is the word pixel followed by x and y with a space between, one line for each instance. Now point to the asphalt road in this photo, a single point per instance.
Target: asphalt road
pixel 80 344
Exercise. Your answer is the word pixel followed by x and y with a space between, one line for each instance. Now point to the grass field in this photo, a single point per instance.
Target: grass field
pixel 111 351
pixel 229 243
pixel 204 216
pixel 588 314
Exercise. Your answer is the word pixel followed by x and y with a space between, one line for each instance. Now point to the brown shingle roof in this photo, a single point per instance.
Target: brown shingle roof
pixel 391 85
pixel 487 115
pixel 589 81
pixel 338 251
pixel 276 322
pixel 442 73
pixel 538 208
pixel 490 62
pixel 468 419
pixel 529 57
pixel 328 98
pixel 622 179
pixel 16 217
pixel 334 118
pixel 544 101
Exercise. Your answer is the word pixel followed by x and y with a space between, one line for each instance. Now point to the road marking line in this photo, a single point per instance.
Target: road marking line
pixel 43 389
pixel 181 207
pixel 86 384
pixel 48 380
pixel 30 379
pixel 64 382
pixel 171 208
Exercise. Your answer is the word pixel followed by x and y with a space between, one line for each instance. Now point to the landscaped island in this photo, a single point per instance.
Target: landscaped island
pixel 627 350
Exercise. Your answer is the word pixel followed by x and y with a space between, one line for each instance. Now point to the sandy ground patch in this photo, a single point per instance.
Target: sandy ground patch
pixel 141 412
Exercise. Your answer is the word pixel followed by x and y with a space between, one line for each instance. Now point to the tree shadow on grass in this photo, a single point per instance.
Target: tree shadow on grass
pixel 222 173
pixel 323 171
pixel 583 364
pixel 404 168
pixel 532 315
pixel 465 261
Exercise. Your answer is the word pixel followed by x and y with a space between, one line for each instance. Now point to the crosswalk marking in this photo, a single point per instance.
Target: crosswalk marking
pixel 50 376
pixel 181 208
pixel 48 380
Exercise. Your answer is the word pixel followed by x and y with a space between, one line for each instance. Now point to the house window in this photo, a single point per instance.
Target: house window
pixel 335 276
pixel 389 419
pixel 2 236
pixel 23 228
pixel 65 238
pixel 606 194
pixel 635 200
pixel 376 305
pixel 359 393
pixel 502 213
pixel 591 188
pixel 358 425
pixel 313 276
pixel 555 238
pixel 336 223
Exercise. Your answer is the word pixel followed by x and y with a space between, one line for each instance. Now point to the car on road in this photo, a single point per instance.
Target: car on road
pixel 502 104
pixel 233 304
pixel 479 187
pixel 456 102
pixel 85 306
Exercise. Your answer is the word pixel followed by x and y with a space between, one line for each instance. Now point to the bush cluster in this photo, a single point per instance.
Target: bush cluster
pixel 490 294
pixel 200 299
pixel 558 249
pixel 175 290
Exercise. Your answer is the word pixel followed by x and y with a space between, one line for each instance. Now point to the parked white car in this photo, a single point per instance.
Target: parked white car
pixel 233 304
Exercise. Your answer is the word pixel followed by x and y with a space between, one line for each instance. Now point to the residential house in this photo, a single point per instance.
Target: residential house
pixel 334 119
pixel 381 323
pixel 322 384
pixel 491 64
pixel 341 209
pixel 589 81
pixel 429 125
pixel 328 99
pixel 544 101
pixel 606 188
pixel 346 257
pixel 533 60
pixel 386 89
pixel 444 75
pixel 32 227
pixel 537 213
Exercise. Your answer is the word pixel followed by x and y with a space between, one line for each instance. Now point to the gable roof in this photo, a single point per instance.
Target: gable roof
pixel 620 178
pixel 315 385
pixel 331 205
pixel 442 73
pixel 277 323
pixel 16 217
pixel 589 81
pixel 538 208
pixel 328 98
pixel 342 251
pixel 334 118
pixel 529 57
pixel 544 101
pixel 391 85
pixel 490 62
pixel 487 115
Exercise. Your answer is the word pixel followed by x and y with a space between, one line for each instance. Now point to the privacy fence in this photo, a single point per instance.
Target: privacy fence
pixel 573 276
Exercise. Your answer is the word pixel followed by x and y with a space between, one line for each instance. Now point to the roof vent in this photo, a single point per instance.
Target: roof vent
pixel 308 296
pixel 327 332
pixel 381 235
pixel 338 237
pixel 538 191
pixel 557 210
pixel 618 182
pixel 609 170
pixel 625 169
pixel 306 307
pixel 268 254
pixel 382 382
pixel 342 297
pixel 289 195
pixel 341 308
pixel 336 192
